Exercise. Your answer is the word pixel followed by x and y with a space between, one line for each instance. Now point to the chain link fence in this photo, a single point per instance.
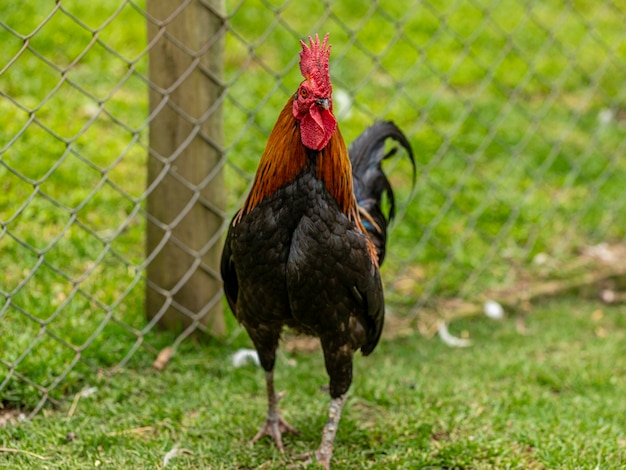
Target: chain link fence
pixel 516 112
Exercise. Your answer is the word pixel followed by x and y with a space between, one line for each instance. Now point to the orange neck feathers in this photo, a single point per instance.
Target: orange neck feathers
pixel 335 171
pixel 285 158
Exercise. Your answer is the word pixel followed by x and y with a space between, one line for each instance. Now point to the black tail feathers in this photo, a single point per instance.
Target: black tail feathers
pixel 370 182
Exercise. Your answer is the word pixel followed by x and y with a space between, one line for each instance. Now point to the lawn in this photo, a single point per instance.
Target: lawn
pixel 516 116
pixel 549 398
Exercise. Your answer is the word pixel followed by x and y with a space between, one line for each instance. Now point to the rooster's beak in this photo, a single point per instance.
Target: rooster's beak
pixel 324 103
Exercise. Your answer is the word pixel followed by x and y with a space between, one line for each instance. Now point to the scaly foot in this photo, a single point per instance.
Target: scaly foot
pixel 317 456
pixel 323 458
pixel 324 453
pixel 275 426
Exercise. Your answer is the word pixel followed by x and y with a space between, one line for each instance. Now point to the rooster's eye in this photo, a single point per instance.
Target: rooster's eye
pixel 303 92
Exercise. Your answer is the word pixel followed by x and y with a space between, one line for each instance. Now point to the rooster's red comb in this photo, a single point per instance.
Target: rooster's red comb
pixel 314 61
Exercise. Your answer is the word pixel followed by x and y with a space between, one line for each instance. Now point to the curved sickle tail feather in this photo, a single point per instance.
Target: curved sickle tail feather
pixel 367 153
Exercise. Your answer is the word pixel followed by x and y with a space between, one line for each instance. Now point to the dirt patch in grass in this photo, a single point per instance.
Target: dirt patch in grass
pixel 9 415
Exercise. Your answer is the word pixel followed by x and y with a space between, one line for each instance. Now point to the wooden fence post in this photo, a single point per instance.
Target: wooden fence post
pixel 186 200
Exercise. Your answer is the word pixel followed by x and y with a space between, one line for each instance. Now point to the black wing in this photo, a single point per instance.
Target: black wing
pixel 229 275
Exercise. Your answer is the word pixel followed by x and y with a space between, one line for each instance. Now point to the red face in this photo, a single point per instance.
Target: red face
pixel 314 110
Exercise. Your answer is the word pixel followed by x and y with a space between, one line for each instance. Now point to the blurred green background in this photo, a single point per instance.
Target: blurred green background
pixel 516 112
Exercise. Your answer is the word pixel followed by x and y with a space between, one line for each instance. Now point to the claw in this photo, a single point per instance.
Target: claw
pixel 324 453
pixel 307 459
pixel 274 427
pixel 323 459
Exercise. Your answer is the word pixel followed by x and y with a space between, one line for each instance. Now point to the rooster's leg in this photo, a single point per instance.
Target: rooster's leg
pixel 325 451
pixel 274 425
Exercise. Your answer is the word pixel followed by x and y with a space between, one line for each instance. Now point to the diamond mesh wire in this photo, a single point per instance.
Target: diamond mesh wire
pixel 516 111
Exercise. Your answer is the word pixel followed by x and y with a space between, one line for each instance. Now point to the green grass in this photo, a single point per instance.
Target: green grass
pixel 72 177
pixel 502 104
pixel 552 398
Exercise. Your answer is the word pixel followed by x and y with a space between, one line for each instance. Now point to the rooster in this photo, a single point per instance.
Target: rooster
pixel 304 250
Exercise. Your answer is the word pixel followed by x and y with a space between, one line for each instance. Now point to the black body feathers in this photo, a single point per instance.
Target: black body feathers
pixel 297 260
